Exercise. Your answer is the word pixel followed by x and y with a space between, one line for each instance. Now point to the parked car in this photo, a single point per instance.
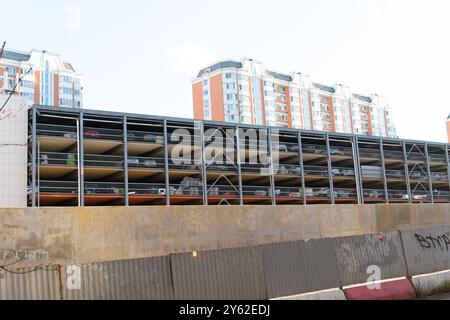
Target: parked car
pixel 149 138
pixel 283 148
pixel 133 162
pixel 91 133
pixel 347 172
pixel 150 163
pixel 71 135
pixel 294 148
pixel 335 151
pixel 309 148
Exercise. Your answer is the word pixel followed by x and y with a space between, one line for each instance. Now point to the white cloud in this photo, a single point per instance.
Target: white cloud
pixel 188 58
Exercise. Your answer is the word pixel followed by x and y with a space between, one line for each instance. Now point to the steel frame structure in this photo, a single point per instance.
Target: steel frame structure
pixel 335 167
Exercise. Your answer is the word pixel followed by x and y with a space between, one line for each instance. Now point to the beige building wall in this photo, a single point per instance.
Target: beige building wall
pixel 13 152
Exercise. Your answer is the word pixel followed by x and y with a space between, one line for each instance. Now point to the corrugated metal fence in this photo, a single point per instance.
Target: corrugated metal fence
pixel 251 273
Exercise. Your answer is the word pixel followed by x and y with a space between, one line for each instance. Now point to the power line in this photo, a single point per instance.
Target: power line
pixel 14 88
pixel 3 48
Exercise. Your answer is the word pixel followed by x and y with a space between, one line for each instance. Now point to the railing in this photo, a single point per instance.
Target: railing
pixel 146 189
pixel 56 131
pixel 439 176
pixel 103 134
pixel 141 136
pixel 374 194
pixel 65 187
pixel 54 158
pixel 107 188
pixel 145 162
pixel 103 161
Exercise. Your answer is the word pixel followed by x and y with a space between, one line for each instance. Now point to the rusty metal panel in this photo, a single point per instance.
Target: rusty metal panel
pixel 427 250
pixel 30 284
pixel 378 255
pixel 137 279
pixel 228 274
pixel 292 268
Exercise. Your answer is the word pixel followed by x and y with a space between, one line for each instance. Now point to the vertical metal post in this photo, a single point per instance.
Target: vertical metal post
pixel 125 160
pixel 33 158
pixel 166 163
pixel 78 163
pixel 330 168
pixel 81 158
pixel 302 167
pixel 408 185
pixel 383 166
pixel 430 183
pixel 238 159
pixel 204 176
pixel 448 164
pixel 357 168
pixel 38 174
pixel 272 179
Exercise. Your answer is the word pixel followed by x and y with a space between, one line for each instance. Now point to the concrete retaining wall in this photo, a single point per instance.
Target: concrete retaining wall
pixel 430 284
pixel 94 234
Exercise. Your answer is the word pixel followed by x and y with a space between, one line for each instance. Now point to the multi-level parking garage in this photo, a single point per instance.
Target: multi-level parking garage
pixel 87 158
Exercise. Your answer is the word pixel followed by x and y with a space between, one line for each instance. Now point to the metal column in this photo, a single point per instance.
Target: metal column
pixel 448 164
pixel 125 159
pixel 238 159
pixel 357 167
pixel 302 168
pixel 81 158
pixel 430 183
pixel 330 168
pixel 33 159
pixel 205 181
pixel 383 165
pixel 166 163
pixel 272 179
pixel 408 185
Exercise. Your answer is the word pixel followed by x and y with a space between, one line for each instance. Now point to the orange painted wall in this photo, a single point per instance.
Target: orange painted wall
pixel 263 106
pixel 288 107
pixel 56 90
pixel 216 94
pixel 197 97
pixel 252 116
pixel 448 130
pixel 37 85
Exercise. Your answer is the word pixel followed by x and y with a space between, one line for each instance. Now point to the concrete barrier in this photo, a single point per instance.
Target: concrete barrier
pixel 73 236
pixel 332 294
pixel 401 289
pixel 431 284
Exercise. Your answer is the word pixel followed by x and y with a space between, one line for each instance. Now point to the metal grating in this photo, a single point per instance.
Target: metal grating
pixel 230 274
pixel 140 279
pixel 426 250
pixel 30 284
pixel 297 267
pixel 356 254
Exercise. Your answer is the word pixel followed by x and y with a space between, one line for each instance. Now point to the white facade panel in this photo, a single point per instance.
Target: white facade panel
pixel 13 152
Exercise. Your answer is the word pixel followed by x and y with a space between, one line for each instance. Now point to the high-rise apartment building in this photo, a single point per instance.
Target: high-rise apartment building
pixel 448 128
pixel 245 92
pixel 52 81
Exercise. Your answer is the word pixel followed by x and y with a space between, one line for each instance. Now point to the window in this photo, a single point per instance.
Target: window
pixel 27 84
pixel 10 70
pixel 228 75
pixel 205 92
pixel 206 112
pixel 65 102
pixel 65 90
pixel 28 95
pixel 205 82
pixel 66 79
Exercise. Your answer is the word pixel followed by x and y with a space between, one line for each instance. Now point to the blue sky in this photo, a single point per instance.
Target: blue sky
pixel 140 56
